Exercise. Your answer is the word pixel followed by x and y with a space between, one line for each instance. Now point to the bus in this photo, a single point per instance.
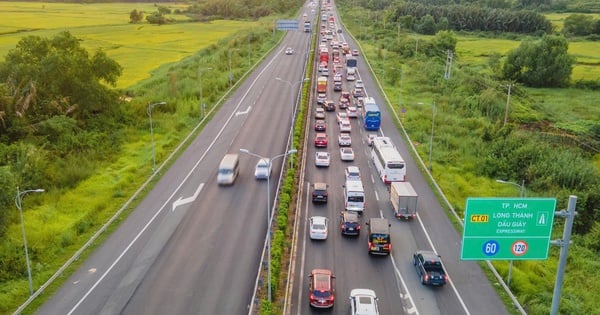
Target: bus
pixel 371 114
pixel 388 161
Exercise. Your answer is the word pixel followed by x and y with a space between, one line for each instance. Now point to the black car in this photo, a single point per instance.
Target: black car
pixel 337 86
pixel 349 224
pixel 319 193
pixel 329 105
pixel 430 268
pixel 320 125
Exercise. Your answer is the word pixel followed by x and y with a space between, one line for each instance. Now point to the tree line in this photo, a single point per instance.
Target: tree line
pixel 470 18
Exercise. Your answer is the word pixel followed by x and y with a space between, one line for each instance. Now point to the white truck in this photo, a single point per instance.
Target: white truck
pixel 404 200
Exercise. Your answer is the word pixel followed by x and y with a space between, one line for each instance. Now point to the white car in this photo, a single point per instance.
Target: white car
pixel 337 77
pixel 344 140
pixel 345 126
pixel 363 302
pixel 325 72
pixel 359 84
pixel 352 173
pixel 341 116
pixel 289 51
pixel 370 138
pixel 322 159
pixel 351 112
pixel 347 154
pixel 318 228
pixel 263 169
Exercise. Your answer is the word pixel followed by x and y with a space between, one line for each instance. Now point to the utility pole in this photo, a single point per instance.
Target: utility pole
pixel 507 104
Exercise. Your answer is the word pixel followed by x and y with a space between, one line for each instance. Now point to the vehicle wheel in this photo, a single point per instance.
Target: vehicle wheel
pixel 422 279
pixel 414 261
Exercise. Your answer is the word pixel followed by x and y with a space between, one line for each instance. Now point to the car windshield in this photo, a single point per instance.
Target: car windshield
pixel 321 294
pixel 225 171
pixel 397 165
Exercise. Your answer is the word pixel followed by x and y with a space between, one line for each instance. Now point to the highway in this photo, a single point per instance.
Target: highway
pixel 393 278
pixel 191 246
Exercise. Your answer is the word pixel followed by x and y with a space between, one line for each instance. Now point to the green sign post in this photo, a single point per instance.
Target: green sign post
pixel 507 228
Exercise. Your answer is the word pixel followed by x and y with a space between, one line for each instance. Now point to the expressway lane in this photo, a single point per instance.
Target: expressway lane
pixel 200 257
pixel 392 278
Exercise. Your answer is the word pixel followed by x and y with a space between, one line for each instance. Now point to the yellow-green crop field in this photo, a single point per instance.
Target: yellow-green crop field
pixel 139 48
pixel 477 50
pixel 558 19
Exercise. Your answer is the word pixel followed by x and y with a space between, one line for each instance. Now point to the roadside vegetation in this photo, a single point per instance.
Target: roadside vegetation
pixel 89 147
pixel 551 137
pixel 90 156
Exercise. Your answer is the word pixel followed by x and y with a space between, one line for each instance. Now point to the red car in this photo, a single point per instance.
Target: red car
pixel 344 103
pixel 321 288
pixel 320 125
pixel 321 140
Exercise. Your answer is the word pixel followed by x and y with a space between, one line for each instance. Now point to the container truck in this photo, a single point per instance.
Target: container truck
pixel 404 200
pixel 321 89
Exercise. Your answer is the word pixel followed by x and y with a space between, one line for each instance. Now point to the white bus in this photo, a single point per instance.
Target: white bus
pixel 388 161
pixel 354 196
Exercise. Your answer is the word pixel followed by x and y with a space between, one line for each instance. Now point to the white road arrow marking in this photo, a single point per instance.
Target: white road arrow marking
pixel 244 112
pixel 182 201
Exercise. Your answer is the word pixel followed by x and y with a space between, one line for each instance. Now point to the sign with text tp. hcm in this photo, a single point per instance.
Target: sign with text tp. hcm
pixel 507 228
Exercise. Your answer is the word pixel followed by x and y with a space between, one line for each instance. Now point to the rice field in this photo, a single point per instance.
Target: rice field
pixel 477 50
pixel 139 48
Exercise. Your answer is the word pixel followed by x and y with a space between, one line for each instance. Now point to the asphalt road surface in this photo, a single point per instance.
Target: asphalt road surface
pixel 393 278
pixel 191 246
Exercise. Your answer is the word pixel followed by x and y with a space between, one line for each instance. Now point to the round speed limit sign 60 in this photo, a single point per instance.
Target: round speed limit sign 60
pixel 519 248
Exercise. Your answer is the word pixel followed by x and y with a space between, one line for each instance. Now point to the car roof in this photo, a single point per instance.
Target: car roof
pixel 350 216
pixel 322 279
pixel 320 186
pixel 322 153
pixel 364 292
pixel 264 162
pixel 429 255
pixel 318 219
pixel 353 169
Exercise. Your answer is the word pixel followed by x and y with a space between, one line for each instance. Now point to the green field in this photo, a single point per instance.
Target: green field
pixel 107 27
pixel 477 50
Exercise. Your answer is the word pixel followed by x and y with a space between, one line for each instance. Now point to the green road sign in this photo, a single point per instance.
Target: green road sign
pixel 507 228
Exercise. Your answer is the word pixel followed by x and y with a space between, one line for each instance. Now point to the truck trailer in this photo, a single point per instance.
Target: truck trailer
pixel 404 200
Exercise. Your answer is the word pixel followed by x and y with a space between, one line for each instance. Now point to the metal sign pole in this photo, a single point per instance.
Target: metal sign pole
pixel 569 214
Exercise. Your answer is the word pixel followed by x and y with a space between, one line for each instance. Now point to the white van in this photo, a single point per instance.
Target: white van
pixel 228 169
pixel 354 196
